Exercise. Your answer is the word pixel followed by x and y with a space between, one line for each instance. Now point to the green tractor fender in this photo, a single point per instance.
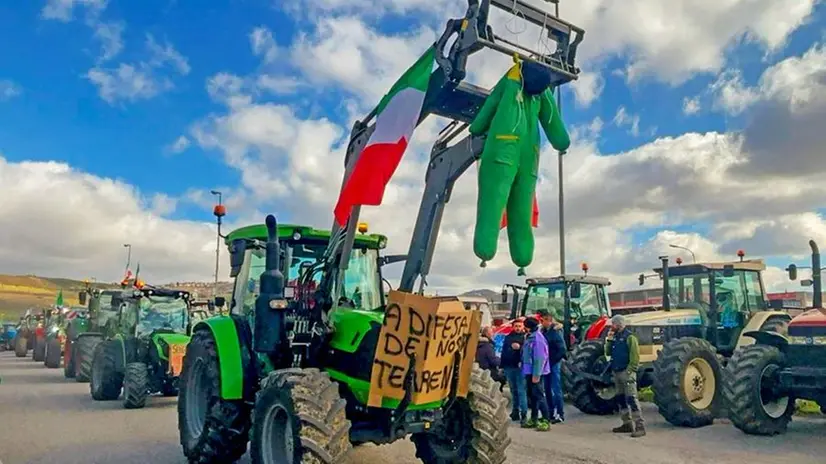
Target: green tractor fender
pixel 774 339
pixel 231 362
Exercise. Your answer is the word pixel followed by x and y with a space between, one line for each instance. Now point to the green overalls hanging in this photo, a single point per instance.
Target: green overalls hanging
pixel 509 163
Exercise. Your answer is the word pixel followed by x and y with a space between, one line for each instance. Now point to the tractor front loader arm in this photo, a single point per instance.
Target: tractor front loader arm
pixel 450 97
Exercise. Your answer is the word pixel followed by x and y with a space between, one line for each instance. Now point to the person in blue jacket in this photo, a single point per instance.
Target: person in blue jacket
pixel 557 351
pixel 534 367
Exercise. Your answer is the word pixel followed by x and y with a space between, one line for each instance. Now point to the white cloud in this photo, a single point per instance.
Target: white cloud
pixel 624 119
pixel 279 85
pixel 141 80
pixel 180 144
pixel 58 221
pixel 61 10
pixel 587 88
pixel 263 44
pixel 110 35
pixel 9 89
pixel 691 106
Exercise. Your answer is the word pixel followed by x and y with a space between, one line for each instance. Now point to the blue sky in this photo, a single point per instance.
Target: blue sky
pixel 53 111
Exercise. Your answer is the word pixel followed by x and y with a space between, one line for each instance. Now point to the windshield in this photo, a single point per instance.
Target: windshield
pixel 589 305
pixel 162 313
pixel 741 292
pixel 361 287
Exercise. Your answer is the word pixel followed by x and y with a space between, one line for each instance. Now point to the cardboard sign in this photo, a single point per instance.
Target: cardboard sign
pixel 176 358
pixel 432 330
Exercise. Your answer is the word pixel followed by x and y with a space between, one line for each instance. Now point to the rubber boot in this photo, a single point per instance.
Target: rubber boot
pixel 639 430
pixel 624 428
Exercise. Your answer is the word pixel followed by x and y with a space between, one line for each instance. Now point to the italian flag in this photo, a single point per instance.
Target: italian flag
pixel 534 211
pixel 397 116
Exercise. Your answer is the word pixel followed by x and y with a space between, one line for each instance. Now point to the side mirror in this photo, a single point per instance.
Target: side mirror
pixel 575 290
pixel 792 271
pixel 728 270
pixel 390 259
pixel 504 295
pixel 642 279
pixel 81 298
pixel 236 256
pixel 220 301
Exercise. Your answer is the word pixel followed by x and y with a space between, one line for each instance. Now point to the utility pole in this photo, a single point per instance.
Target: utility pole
pixel 128 256
pixel 219 211
pixel 560 164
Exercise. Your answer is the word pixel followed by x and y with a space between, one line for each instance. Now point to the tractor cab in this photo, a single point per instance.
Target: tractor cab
pixel 152 310
pixel 724 295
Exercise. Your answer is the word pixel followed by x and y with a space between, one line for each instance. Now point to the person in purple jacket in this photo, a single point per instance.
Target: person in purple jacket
pixel 535 366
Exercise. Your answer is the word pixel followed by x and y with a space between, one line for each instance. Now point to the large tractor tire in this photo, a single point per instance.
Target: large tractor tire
pixel 586 395
pixel 475 429
pixel 39 351
pixel 753 406
pixel 135 385
pixel 20 349
pixel 106 381
pixel 53 354
pixel 299 416
pixel 688 382
pixel 84 354
pixel 69 368
pixel 212 430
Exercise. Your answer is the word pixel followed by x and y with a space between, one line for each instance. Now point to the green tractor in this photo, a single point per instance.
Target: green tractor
pixel 85 332
pixel 143 352
pixel 55 337
pixel 25 334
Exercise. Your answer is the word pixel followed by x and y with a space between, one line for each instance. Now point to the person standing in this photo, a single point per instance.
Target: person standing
pixel 624 351
pixel 557 351
pixel 486 355
pixel 534 367
pixel 512 365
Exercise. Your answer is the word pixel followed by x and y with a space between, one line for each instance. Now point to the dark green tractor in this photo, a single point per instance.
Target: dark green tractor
pixel 84 333
pixel 23 340
pixel 143 353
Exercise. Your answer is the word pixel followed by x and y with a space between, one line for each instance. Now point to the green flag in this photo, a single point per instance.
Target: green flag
pixel 59 300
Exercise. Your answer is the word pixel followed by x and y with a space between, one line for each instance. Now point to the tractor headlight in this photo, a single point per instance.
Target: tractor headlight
pixel 382 243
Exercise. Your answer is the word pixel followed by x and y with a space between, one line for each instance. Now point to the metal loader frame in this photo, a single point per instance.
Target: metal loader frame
pixel 448 96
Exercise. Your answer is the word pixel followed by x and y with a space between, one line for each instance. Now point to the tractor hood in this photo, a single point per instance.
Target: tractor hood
pixel 660 318
pixel 171 338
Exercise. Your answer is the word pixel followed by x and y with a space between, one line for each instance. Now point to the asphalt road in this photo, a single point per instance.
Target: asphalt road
pixel 45 418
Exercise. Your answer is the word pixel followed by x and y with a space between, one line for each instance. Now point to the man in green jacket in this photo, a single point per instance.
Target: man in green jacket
pixel 623 349
pixel 519 104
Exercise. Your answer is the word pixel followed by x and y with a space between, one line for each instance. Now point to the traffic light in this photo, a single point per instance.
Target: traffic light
pixel 792 271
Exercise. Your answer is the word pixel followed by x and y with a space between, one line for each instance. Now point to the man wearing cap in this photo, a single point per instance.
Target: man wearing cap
pixel 623 348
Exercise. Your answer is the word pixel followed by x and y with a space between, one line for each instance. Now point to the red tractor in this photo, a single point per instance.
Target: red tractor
pixel 763 380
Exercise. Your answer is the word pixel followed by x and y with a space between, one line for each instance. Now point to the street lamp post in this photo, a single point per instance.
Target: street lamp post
pixel 559 176
pixel 128 247
pixel 219 211
pixel 693 257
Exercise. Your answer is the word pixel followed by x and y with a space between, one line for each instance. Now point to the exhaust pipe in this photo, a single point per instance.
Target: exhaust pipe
pixel 666 285
pixel 817 300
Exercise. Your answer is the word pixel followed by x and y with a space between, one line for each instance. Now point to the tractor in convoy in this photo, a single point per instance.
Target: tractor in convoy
pixel 23 338
pixel 85 332
pixel 707 310
pixel 37 334
pixel 297 369
pixel 8 332
pixel 764 379
pixel 143 351
pixel 579 302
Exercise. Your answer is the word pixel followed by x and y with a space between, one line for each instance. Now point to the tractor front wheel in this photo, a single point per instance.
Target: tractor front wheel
pixel 68 359
pixel 587 395
pixel 52 354
pixel 756 406
pixel 39 350
pixel 135 385
pixel 688 382
pixel 212 429
pixel 299 416
pixel 20 348
pixel 84 354
pixel 474 429
pixel 106 381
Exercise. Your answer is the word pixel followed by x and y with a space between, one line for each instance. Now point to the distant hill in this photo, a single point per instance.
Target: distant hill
pixel 19 293
pixel 484 293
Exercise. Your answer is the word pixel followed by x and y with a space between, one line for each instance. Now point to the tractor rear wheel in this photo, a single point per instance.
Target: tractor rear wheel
pixel 588 396
pixel 69 359
pixel 299 416
pixel 688 382
pixel 135 385
pixel 212 430
pixel 106 381
pixel 53 354
pixel 39 350
pixel 20 349
pixel 474 429
pixel 754 405
pixel 84 354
